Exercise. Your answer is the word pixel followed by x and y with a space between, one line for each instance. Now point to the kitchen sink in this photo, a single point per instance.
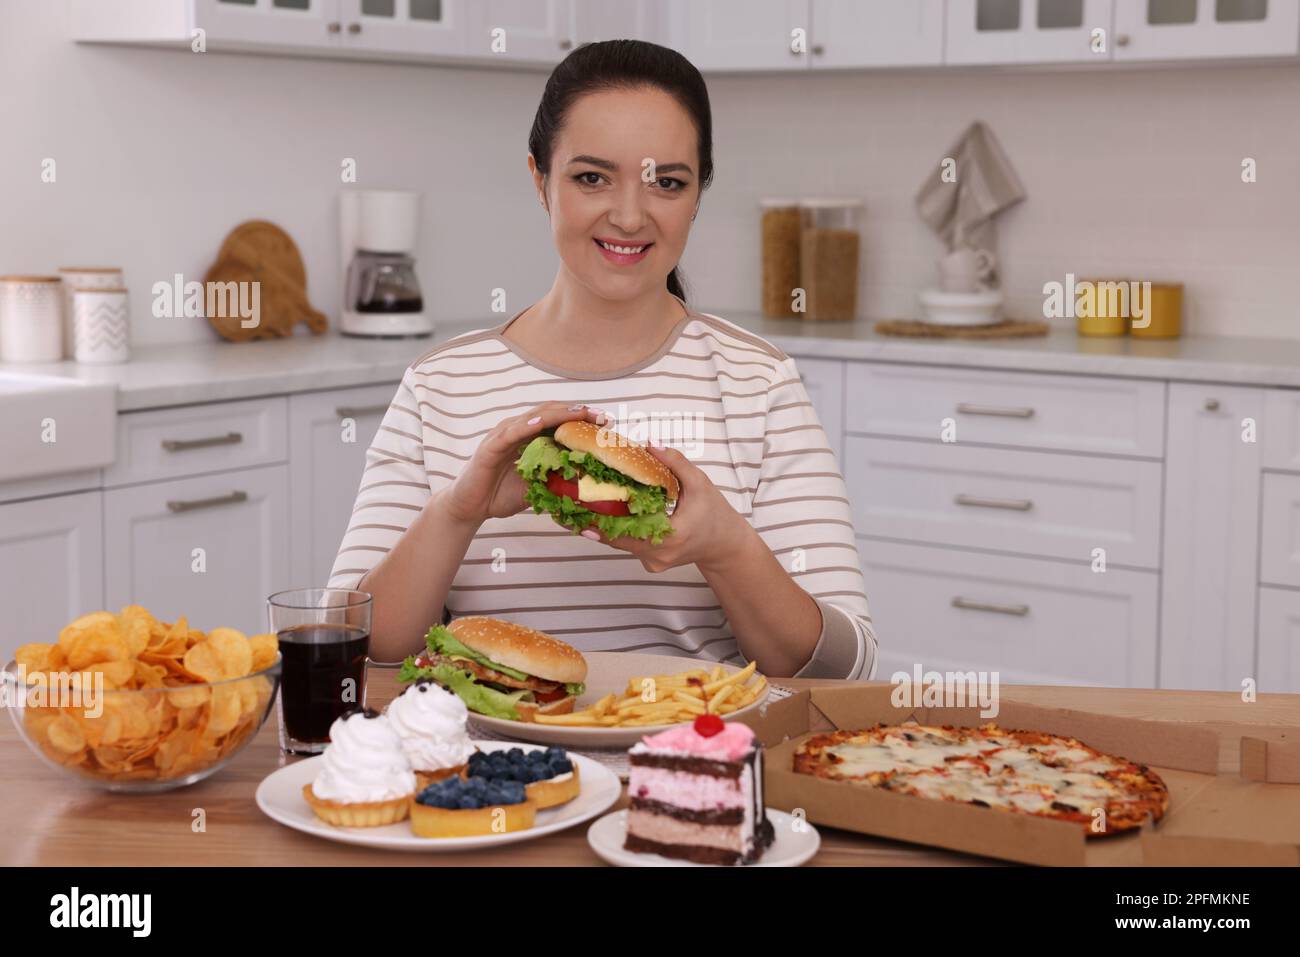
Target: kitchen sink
pixel 51 424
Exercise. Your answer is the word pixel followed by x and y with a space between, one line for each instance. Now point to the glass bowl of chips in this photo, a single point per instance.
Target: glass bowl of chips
pixel 130 703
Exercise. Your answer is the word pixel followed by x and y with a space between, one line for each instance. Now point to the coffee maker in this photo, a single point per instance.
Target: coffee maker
pixel 378 230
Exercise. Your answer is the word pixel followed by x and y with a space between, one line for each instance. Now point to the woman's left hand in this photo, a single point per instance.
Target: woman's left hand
pixel 706 529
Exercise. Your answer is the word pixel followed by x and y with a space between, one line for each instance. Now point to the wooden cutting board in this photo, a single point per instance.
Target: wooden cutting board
pixel 262 252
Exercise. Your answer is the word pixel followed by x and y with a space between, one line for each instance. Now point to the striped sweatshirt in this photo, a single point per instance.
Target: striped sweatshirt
pixel 729 400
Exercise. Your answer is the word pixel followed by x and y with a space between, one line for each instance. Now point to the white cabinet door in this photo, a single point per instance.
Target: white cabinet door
pixel 595 20
pixel 1211 552
pixel 329 433
pixel 51 566
pixel 1279 547
pixel 1280 430
pixel 532 31
pixel 1032 621
pixel 210 548
pixel 854 33
pixel 1027 31
pixel 305 23
pixel 405 27
pixel 1177 29
pixel 1279 640
pixel 1033 503
pixel 722 35
pixel 824 380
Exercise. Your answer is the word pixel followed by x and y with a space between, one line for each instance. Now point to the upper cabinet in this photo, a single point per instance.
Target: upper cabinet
pixel 1197 29
pixel 718 36
pixel 728 35
pixel 1028 31
pixel 850 33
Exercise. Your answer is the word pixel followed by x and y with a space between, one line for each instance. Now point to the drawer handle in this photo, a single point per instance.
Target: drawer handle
pixel 357 411
pixel 232 499
pixel 1012 504
pixel 1211 405
pixel 1006 412
pixel 184 445
pixel 972 605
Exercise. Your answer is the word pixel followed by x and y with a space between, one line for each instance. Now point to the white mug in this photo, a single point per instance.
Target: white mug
pixel 83 277
pixel 965 269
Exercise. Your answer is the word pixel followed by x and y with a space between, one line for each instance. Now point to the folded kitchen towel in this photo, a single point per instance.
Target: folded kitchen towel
pixel 962 212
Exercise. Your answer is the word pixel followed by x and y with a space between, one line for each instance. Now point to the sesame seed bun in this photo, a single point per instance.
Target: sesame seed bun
pixel 525 649
pixel 618 452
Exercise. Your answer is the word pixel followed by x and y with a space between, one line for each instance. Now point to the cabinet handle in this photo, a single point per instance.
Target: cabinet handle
pixel 1121 40
pixel 1013 504
pixel 188 506
pixel 971 604
pixel 333 27
pixel 818 49
pixel 1211 405
pixel 566 44
pixel 354 28
pixel 357 411
pixel 1006 412
pixel 184 445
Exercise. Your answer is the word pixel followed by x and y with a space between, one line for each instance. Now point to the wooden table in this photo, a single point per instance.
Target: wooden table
pixel 51 819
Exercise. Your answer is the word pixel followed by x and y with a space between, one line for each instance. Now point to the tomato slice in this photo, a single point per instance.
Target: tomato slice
pixel 557 483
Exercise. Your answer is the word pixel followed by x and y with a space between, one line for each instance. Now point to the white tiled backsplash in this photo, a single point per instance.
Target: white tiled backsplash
pixel 1129 173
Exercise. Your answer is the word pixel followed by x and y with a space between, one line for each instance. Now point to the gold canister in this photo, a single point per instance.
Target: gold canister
pixel 1099 313
pixel 1162 315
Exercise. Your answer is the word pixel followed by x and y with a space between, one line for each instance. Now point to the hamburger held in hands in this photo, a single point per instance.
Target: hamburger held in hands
pixel 500 669
pixel 585 475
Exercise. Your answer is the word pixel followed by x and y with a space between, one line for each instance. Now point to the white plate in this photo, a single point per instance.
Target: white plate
pixel 280 798
pixel 789 849
pixel 606 671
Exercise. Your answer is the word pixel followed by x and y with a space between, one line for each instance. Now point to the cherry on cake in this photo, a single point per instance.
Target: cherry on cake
pixel 697 794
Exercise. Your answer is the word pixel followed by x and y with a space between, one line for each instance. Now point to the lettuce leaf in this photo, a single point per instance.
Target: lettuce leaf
pixel 441 640
pixel 478 698
pixel 653 526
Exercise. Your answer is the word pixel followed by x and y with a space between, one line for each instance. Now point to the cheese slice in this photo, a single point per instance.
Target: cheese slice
pixel 589 490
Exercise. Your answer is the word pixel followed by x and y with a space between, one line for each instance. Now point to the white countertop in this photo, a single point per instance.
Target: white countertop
pixel 213 371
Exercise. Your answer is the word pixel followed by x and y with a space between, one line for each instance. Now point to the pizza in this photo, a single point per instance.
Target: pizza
pixel 1023 772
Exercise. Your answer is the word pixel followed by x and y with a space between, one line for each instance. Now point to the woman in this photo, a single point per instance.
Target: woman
pixel 620 152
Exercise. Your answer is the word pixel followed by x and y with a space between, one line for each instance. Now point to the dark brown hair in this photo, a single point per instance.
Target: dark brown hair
pixel 623 65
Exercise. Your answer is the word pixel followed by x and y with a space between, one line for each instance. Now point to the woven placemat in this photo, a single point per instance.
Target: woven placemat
pixel 1007 329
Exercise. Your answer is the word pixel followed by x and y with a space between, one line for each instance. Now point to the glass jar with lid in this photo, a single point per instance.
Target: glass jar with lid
pixel 829 253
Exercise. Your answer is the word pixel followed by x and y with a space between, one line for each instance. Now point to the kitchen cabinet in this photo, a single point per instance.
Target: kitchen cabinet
pixel 405 27
pixel 1279 640
pixel 1211 536
pixel 727 35
pixel 1030 503
pixel 1205 29
pixel 823 379
pixel 850 33
pixel 1280 431
pixel 329 434
pixel 1031 621
pixel 51 566
pixel 269 22
pixel 211 548
pixel 1279 550
pixel 1027 31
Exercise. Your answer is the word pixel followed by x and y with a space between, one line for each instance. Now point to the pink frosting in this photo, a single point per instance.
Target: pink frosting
pixel 699 792
pixel 732 743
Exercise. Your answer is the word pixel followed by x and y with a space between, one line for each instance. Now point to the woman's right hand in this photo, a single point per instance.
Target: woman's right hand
pixel 488 486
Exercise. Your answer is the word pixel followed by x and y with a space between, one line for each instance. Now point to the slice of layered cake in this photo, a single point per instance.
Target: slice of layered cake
pixel 697 793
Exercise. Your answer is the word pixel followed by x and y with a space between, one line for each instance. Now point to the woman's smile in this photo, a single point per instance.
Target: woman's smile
pixel 622 254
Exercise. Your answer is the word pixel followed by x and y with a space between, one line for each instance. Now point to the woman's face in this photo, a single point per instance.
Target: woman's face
pixel 624 170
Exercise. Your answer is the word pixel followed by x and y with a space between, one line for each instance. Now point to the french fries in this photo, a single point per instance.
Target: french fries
pixel 649 700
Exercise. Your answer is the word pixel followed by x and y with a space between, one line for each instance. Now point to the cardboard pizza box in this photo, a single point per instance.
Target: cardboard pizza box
pixel 1250 819
pixel 1184 754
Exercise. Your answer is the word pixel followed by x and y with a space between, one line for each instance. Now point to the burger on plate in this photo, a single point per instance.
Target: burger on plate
pixel 500 669
pixel 584 475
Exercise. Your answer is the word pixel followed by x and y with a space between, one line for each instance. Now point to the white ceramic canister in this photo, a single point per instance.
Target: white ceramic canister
pixel 31 329
pixel 101 324
pixel 83 277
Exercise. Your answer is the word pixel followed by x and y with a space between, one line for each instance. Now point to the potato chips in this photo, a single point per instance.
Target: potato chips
pixel 175 700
